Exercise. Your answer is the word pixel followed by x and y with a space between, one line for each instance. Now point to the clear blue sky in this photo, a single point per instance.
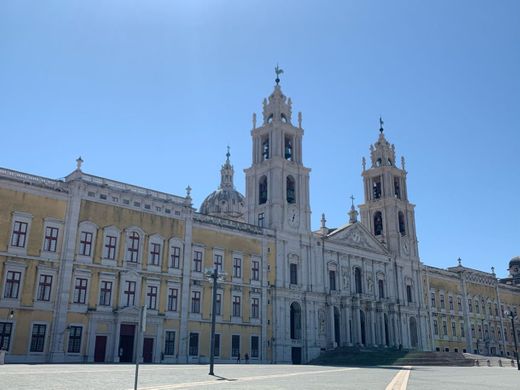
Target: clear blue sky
pixel 151 92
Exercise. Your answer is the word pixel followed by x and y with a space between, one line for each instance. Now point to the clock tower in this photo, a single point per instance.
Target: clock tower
pixel 387 213
pixel 277 183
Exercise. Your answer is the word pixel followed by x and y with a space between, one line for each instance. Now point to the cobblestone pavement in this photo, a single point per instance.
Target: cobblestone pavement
pixel 272 377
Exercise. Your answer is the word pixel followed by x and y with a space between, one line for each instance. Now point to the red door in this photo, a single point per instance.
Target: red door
pixel 100 350
pixel 148 350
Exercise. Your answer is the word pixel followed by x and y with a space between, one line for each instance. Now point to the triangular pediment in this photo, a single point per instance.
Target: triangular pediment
pixel 356 235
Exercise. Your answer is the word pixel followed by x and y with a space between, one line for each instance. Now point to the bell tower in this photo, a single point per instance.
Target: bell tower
pixel 277 183
pixel 387 213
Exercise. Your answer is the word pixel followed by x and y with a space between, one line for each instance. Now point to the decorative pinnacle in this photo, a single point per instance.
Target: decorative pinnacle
pixel 188 192
pixel 79 161
pixel 352 199
pixel 381 123
pixel 323 220
pixel 228 154
pixel 460 261
pixel 278 72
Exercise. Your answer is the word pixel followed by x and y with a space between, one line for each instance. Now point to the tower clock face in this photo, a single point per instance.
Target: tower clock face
pixel 406 247
pixel 293 217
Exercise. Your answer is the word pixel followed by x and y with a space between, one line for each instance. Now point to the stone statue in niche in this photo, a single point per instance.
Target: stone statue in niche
pixel 370 284
pixel 321 321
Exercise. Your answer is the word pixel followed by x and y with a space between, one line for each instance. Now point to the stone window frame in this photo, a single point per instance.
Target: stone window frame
pixel 155 239
pixel 45 341
pixel 153 283
pixel 19 216
pixel 56 224
pixel 140 248
pixel 106 277
pixel 45 270
pixel 86 227
pixel 112 231
pixel 175 242
pixel 82 339
pixel 14 267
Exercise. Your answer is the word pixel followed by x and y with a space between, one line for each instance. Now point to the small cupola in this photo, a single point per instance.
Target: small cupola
pixel 382 152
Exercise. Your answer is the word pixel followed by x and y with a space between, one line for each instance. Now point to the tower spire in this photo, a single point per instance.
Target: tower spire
pixel 227 172
pixel 353 213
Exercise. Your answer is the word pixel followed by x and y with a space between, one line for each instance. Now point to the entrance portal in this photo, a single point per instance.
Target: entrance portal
pixel 296 355
pixel 148 350
pixel 126 343
pixel 100 349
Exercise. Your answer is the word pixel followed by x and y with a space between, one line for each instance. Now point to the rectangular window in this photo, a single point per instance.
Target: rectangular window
pixel 293 271
pixel 435 327
pixel 197 261
pixel 255 344
pixel 51 239
pixel 105 293
pixel 459 303
pixel 85 244
pixel 433 299
pixel 44 288
pixel 470 306
pixel 195 301
pixel 194 344
pixel 155 253
pixel 261 219
pixel 169 343
pixel 454 329
pixel 236 306
pixel 332 280
pixel 218 305
pixel 217 345
pixel 6 329
pixel 442 301
pixel 237 267
pixel 173 295
pixel 19 234
pixel 218 263
pixel 409 294
pixel 80 290
pixel 133 247
pixel 75 339
pixel 129 293
pixel 235 345
pixel 461 329
pixel 151 296
pixel 110 247
pixel 175 257
pixel 444 328
pixel 255 270
pixel 255 308
pixel 12 284
pixel 450 302
pixel 38 338
pixel 477 307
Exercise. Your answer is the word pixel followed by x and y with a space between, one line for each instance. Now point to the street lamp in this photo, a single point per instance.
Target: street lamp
pixel 213 275
pixel 512 315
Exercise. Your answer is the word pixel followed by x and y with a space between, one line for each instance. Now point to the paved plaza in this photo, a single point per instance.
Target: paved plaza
pixel 166 377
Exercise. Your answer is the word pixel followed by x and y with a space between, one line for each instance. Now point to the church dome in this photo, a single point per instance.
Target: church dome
pixel 226 201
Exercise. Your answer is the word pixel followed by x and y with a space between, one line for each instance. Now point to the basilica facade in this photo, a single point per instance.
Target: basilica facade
pixel 80 256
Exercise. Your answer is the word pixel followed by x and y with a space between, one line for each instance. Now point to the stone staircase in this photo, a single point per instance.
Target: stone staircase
pixel 355 356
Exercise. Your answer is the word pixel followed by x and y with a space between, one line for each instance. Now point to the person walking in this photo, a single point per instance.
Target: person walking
pixel 246 357
pixel 238 358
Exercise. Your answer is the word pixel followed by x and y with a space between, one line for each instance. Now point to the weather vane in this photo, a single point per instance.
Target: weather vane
pixel 278 72
pixel 381 123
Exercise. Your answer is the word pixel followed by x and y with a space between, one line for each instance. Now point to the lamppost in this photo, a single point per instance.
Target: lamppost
pixel 213 275
pixel 512 315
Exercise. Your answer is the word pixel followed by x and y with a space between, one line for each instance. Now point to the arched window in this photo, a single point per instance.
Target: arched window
pixel 378 223
pixel 296 321
pixel 402 225
pixel 381 287
pixel 291 193
pixel 262 190
pixel 284 118
pixel 378 162
pixel 358 283
pixel 133 247
pixel 288 148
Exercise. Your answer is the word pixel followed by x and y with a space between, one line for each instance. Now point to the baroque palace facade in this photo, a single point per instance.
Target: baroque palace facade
pixel 80 256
